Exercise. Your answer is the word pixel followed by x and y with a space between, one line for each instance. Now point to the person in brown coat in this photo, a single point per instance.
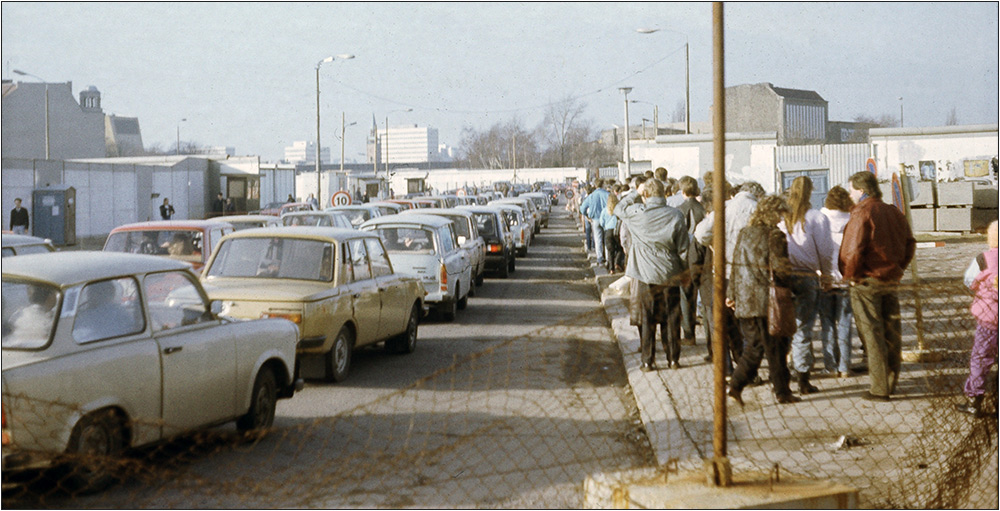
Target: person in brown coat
pixel 761 250
pixel 878 245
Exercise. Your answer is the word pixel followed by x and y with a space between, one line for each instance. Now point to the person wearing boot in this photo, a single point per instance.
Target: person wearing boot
pixel 981 277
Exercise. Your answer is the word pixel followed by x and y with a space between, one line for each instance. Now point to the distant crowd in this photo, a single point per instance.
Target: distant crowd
pixel 787 264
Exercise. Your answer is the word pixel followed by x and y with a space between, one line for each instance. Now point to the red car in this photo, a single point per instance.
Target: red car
pixel 280 208
pixel 191 241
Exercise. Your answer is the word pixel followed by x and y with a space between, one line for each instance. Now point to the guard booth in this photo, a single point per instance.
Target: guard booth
pixel 54 214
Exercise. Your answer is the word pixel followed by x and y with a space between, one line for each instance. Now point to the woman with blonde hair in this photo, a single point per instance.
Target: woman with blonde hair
pixel 809 247
pixel 834 305
pixel 761 254
pixel 981 278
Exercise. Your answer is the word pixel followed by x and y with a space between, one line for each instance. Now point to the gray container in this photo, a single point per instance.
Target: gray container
pixel 54 214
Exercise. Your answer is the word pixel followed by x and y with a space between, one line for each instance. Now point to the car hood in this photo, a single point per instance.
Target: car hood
pixel 267 290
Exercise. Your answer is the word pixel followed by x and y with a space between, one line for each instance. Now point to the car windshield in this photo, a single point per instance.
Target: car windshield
pixel 183 245
pixel 249 224
pixel 407 239
pixel 315 220
pixel 356 216
pixel 29 314
pixel 274 258
pixel 461 226
pixel 40 248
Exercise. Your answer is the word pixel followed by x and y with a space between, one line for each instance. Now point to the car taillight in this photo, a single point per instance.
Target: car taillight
pixel 494 248
pixel 294 317
pixel 444 277
pixel 522 235
pixel 6 435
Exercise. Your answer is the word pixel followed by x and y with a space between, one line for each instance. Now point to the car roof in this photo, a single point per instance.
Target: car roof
pixel 306 213
pixel 19 240
pixel 250 218
pixel 305 232
pixel 478 208
pixel 349 206
pixel 438 212
pixel 171 224
pixel 74 267
pixel 410 218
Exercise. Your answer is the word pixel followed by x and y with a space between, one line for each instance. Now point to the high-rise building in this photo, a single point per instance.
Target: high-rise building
pixel 302 151
pixel 407 144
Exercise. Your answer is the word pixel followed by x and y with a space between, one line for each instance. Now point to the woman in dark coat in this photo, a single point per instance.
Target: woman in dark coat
pixel 760 250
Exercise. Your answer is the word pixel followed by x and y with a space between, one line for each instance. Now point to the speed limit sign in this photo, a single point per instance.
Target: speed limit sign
pixel 340 198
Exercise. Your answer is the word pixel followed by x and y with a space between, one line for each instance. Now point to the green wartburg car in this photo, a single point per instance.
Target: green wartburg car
pixel 336 284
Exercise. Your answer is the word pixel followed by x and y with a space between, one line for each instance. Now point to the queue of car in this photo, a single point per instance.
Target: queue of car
pixel 181 325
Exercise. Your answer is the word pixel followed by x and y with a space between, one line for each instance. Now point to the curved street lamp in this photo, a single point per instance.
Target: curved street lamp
pixel 319 183
pixel 687 74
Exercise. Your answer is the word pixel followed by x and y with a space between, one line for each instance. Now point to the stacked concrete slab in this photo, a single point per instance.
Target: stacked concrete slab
pixel 954 206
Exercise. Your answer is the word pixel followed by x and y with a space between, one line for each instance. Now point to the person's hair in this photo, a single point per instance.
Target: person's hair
pixel 590 189
pixel 706 199
pixel 598 183
pixel 770 210
pixel 660 173
pixel 612 202
pixel 165 200
pixel 648 174
pixel 625 187
pixel 838 199
pixel 17 199
pixel 866 182
pixel 798 202
pixel 754 188
pixel 639 180
pixel 991 234
pixel 654 187
pixel 669 186
pixel 688 186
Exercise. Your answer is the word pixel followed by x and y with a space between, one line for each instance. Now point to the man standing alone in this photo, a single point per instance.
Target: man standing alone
pixel 19 218
pixel 591 208
pixel 877 247
pixel 166 210
pixel 657 268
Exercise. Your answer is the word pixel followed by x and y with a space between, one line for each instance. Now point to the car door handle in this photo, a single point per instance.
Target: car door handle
pixel 357 295
pixel 172 349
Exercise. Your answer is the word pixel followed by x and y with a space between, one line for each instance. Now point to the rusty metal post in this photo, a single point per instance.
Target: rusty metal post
pixel 719 471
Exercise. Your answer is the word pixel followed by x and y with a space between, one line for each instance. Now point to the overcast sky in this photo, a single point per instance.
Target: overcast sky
pixel 243 74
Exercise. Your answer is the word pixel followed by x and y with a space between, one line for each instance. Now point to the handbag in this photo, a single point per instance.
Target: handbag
pixel 780 310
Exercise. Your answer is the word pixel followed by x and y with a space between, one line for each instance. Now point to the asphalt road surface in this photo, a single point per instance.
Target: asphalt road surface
pixel 513 404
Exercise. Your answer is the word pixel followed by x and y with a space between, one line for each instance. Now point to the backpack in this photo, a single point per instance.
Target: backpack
pixel 985 290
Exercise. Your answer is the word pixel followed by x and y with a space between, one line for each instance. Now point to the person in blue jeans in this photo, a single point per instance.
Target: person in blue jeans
pixel 835 315
pixel 591 208
pixel 809 247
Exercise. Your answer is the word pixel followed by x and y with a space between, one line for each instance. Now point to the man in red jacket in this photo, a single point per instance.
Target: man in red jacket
pixel 878 246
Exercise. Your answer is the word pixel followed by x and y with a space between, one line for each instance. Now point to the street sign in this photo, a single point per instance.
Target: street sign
pixel 341 198
pixel 569 193
pixel 897 193
pixel 460 192
pixel 871 167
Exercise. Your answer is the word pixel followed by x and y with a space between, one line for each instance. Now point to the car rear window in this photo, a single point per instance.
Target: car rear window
pixel 29 314
pixel 407 239
pixel 180 244
pixel 486 225
pixel 274 258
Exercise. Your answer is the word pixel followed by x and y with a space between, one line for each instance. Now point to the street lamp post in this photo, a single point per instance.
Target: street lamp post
pixel 178 151
pixel 687 75
pixel 656 115
pixel 628 155
pixel 319 176
pixel 900 112
pixel 23 73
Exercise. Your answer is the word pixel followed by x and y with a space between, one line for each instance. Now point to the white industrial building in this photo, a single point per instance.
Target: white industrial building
pixel 407 144
pixel 302 151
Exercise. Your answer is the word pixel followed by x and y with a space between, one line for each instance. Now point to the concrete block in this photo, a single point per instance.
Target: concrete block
pixel 981 218
pixel 923 193
pixel 654 489
pixel 923 219
pixel 955 193
pixel 954 219
pixel 984 196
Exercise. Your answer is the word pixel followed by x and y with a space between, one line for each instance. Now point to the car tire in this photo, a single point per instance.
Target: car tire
pixel 463 302
pixel 338 359
pixel 263 402
pixel 448 311
pixel 406 342
pixel 522 252
pixel 504 270
pixel 512 265
pixel 97 439
pixel 479 279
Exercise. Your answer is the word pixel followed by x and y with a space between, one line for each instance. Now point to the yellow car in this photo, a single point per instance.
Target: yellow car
pixel 337 285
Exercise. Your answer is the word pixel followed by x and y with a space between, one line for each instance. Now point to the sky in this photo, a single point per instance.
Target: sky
pixel 244 74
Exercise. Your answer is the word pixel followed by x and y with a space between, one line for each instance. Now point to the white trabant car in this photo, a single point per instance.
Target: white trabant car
pixel 337 285
pixel 240 222
pixel 106 351
pixel 519 225
pixel 530 211
pixel 21 244
pixel 468 238
pixel 315 219
pixel 542 202
pixel 427 247
pixel 357 214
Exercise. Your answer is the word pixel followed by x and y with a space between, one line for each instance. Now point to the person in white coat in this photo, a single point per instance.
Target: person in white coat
pixel 834 305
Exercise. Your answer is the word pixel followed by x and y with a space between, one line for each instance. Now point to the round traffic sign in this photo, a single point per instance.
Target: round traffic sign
pixel 341 198
pixel 871 167
pixel 568 193
pixel 460 192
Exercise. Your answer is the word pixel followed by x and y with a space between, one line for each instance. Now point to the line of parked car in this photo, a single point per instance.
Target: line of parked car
pixel 180 325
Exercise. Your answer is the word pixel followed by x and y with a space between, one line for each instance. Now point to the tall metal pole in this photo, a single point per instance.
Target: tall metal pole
pixel 900 112
pixel 386 153
pixel 47 154
pixel 687 88
pixel 721 471
pixel 628 154
pixel 319 179
pixel 342 128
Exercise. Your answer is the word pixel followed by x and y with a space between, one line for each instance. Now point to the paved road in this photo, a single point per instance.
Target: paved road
pixel 513 404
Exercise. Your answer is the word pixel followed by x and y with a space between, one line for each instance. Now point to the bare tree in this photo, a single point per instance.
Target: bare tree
pixel 561 128
pixel 952 118
pixel 882 121
pixel 503 145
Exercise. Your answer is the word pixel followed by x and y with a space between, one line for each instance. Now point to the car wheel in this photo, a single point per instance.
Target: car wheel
pixel 448 311
pixel 406 342
pixel 94 444
pixel 263 401
pixel 338 359
pixel 512 264
pixel 504 270
pixel 463 302
pixel 479 279
pixel 522 252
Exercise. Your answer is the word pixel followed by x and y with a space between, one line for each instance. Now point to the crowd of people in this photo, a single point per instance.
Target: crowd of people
pixel 842 263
